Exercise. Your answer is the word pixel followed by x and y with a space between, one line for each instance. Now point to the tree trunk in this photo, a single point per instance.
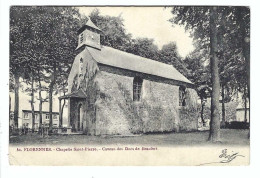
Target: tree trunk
pixel 245 105
pixel 64 102
pixel 62 108
pixel 223 123
pixel 32 103
pixel 9 109
pixel 50 106
pixel 214 135
pixel 40 103
pixel 202 112
pixel 53 78
pixel 16 99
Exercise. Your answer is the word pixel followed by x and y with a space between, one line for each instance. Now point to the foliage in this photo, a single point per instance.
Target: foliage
pixel 203 21
pixel 231 41
pixel 233 30
pixel 114 33
pixel 144 47
pixel 41 39
pixel 169 55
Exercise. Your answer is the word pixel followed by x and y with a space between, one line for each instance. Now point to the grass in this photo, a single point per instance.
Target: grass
pixel 228 137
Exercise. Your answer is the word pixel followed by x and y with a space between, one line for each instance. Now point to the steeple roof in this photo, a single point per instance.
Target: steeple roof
pixel 89 24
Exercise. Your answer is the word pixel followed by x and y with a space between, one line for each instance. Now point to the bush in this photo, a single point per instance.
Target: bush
pixel 237 125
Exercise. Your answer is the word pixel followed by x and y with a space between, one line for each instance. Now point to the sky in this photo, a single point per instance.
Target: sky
pixel 150 22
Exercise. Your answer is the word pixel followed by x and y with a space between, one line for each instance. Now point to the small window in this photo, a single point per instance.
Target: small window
pixel 182 96
pixel 137 88
pixel 55 117
pixel 80 66
pixel 47 117
pixel 26 115
pixel 81 38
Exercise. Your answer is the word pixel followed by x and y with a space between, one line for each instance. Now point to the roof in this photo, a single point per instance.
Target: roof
pixel 89 24
pixel 75 94
pixel 113 57
pixel 44 112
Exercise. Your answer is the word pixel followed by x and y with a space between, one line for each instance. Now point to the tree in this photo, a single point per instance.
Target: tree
pixel 242 15
pixel 233 42
pixel 40 77
pixel 144 47
pixel 169 55
pixel 226 43
pixel 199 74
pixel 203 23
pixel 46 35
pixel 114 33
pixel 21 44
pixel 31 90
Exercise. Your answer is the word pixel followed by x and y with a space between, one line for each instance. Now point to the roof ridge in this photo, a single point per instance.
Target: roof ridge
pixel 125 60
pixel 152 60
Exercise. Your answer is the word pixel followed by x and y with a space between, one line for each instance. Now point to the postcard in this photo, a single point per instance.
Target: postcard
pixel 129 86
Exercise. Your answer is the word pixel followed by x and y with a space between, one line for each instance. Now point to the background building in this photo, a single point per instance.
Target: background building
pixel 27 118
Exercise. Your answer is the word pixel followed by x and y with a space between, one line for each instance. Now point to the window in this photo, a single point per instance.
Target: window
pixel 137 88
pixel 26 115
pixel 81 38
pixel 80 66
pixel 182 97
pixel 55 117
pixel 47 117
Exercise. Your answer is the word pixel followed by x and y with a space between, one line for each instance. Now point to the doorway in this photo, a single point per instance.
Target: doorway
pixel 80 118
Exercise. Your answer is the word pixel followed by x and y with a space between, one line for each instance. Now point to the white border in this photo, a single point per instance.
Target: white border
pixel 64 172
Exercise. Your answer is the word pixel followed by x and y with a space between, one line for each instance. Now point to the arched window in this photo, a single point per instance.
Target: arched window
pixel 182 96
pixel 80 66
pixel 137 88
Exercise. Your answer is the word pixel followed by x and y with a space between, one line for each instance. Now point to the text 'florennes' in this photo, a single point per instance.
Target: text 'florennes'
pixel 70 149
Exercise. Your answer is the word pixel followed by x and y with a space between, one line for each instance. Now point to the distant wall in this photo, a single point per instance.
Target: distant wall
pixel 240 115
pixel 230 111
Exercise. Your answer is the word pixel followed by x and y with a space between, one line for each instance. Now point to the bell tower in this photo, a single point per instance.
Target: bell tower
pixel 89 35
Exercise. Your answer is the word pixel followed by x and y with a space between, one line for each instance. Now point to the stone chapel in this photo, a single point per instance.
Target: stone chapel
pixel 112 92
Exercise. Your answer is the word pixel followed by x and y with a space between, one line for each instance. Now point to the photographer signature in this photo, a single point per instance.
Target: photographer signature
pixel 226 157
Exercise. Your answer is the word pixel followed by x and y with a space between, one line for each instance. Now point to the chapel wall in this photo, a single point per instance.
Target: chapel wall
pixel 117 113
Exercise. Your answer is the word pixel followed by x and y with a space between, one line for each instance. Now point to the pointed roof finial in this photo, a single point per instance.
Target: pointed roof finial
pixel 89 24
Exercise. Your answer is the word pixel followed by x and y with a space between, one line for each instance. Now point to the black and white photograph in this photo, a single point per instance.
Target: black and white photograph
pixel 129 85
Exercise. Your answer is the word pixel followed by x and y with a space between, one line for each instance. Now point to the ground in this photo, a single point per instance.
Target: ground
pixel 228 137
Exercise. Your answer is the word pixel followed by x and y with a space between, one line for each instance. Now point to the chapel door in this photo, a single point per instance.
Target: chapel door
pixel 80 118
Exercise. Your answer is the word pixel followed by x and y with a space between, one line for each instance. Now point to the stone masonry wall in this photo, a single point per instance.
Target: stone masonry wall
pixel 189 114
pixel 117 113
pixel 110 116
pixel 159 112
pixel 83 80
